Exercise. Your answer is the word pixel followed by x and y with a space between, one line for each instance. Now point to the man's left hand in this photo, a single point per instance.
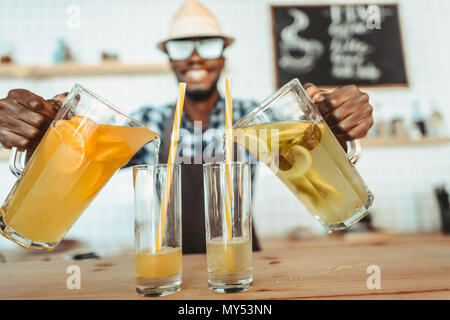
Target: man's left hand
pixel 346 110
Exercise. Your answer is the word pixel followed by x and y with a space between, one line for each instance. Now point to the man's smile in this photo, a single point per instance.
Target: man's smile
pixel 195 75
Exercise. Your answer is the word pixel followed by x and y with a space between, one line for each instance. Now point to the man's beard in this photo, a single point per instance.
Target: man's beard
pixel 200 95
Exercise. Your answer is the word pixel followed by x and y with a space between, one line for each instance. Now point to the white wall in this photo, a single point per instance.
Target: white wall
pixel 401 178
pixel 132 28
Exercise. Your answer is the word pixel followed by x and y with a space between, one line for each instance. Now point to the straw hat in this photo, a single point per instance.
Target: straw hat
pixel 194 20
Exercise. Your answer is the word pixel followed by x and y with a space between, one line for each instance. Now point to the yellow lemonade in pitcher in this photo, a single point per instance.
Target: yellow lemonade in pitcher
pixel 72 163
pixel 162 264
pixel 307 158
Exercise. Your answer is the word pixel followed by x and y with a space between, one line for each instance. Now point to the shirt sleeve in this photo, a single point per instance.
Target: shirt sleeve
pixel 247 106
pixel 243 107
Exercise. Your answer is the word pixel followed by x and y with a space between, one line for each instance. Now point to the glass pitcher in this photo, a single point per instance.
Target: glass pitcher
pixel 289 135
pixel 88 141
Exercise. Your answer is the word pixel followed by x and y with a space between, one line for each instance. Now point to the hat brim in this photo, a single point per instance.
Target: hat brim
pixel 228 40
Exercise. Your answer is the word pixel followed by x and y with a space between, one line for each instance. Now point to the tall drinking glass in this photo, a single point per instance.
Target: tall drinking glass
pixel 84 146
pixel 158 259
pixel 228 228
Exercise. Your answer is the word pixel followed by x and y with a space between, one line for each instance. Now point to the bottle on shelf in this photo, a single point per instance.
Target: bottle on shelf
pixel 6 52
pixel 418 127
pixel 436 123
pixel 382 128
pixel 398 128
pixel 62 53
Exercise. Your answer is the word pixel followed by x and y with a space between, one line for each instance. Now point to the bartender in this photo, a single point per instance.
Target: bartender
pixel 195 49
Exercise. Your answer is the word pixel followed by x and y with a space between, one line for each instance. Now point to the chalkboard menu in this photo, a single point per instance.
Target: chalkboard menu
pixel 334 45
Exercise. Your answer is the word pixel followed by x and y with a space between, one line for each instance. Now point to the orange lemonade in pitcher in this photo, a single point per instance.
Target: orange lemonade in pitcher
pixel 72 163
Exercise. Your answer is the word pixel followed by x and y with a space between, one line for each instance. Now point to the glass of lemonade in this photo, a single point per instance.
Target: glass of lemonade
pixel 84 146
pixel 158 258
pixel 289 135
pixel 228 226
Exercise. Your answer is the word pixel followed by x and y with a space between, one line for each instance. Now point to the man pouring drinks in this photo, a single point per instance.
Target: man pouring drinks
pixel 195 48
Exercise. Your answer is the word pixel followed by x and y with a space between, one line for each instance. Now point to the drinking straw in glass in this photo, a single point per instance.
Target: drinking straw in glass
pixel 158 269
pixel 229 260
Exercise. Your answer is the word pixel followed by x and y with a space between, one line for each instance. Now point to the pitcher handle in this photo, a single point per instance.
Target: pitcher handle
pixel 354 151
pixel 17 162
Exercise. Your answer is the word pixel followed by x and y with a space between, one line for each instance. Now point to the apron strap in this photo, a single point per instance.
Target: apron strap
pixel 166 137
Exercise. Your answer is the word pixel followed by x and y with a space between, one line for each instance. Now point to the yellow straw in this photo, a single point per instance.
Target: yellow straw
pixel 170 164
pixel 228 152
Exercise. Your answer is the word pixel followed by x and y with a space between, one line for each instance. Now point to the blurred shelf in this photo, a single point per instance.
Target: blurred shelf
pixel 74 69
pixel 393 142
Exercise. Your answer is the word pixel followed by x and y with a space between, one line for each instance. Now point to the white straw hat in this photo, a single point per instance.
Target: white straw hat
pixel 194 20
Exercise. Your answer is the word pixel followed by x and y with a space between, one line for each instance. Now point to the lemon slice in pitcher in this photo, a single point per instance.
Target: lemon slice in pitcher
pixel 98 176
pixel 72 145
pixel 112 146
pixel 250 140
pixel 296 162
pixel 78 135
pixel 326 190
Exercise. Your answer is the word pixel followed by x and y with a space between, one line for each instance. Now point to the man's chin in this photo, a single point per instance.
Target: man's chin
pixel 199 94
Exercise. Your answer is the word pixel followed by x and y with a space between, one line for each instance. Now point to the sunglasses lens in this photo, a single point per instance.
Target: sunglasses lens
pixel 179 50
pixel 210 48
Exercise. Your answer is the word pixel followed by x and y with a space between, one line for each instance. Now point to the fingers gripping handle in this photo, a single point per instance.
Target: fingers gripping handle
pixel 17 161
pixel 354 150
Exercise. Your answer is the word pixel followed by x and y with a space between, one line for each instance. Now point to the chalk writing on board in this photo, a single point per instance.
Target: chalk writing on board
pixel 298 54
pixel 334 45
pixel 348 52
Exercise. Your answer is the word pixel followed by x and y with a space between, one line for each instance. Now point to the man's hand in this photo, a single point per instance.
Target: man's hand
pixel 346 110
pixel 25 117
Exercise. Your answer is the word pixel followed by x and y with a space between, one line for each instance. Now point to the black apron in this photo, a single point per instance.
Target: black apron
pixel 193 208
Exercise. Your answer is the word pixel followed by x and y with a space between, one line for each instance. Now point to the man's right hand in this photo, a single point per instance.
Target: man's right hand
pixel 24 119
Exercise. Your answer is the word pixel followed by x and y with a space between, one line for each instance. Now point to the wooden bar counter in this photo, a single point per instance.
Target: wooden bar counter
pixel 415 266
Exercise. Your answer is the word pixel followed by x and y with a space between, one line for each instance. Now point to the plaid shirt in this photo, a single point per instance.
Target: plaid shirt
pixel 193 141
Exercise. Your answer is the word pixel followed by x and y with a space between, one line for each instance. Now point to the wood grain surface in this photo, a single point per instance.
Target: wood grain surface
pixel 333 267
